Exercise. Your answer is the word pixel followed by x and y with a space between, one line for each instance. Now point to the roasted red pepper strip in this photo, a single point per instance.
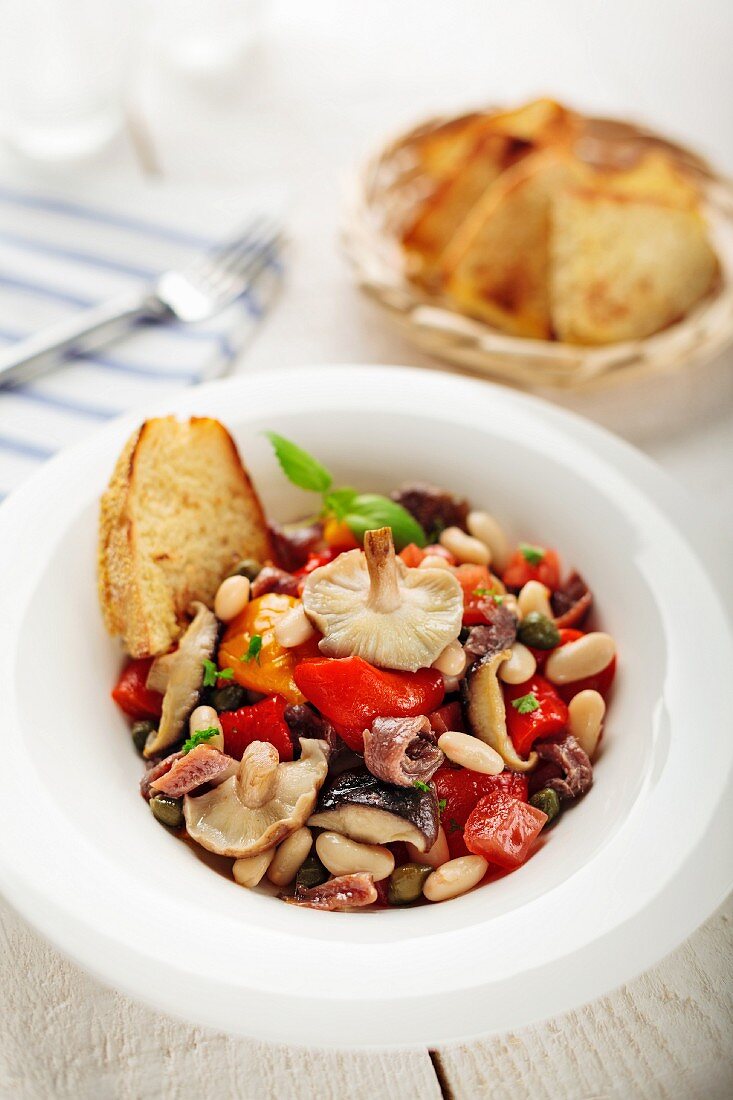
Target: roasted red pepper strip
pixel 503 829
pixel 315 561
pixel 264 721
pixel 352 693
pixel 461 789
pixel 550 719
pixel 519 570
pixel 130 692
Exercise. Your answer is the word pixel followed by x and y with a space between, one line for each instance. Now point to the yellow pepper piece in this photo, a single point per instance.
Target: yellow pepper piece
pixel 271 670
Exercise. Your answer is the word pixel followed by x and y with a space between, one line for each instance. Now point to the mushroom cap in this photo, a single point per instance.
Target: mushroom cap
pixel 185 678
pixel 221 822
pixel 376 608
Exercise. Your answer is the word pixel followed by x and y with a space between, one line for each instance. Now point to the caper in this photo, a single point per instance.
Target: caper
pixel 311 873
pixel 249 567
pixel 168 811
pixel 231 697
pixel 538 631
pixel 140 732
pixel 406 883
pixel 548 801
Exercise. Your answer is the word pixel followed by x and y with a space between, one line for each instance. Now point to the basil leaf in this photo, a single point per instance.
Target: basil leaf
pixel 339 501
pixel 369 511
pixel 302 469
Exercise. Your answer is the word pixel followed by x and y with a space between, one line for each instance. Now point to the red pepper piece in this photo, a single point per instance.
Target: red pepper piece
pixel 264 721
pixel 130 692
pixel 550 719
pixel 315 561
pixel 352 693
pixel 461 789
pixel 519 570
pixel 503 829
pixel 448 717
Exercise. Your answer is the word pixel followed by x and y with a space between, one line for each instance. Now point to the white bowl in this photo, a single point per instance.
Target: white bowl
pixel 625 876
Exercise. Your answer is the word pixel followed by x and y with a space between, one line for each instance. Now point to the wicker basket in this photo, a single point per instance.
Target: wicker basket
pixel 386 187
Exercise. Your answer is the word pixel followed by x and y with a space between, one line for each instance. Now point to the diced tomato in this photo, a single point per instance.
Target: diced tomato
pixel 461 789
pixel 519 570
pixel 448 717
pixel 503 829
pixel 315 561
pixel 131 694
pixel 412 555
pixel 264 721
pixel 549 720
pixel 471 577
pixel 352 693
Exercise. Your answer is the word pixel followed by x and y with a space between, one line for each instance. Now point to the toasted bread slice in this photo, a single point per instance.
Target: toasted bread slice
pixel 622 266
pixel 178 514
pixel 496 267
pixel 497 142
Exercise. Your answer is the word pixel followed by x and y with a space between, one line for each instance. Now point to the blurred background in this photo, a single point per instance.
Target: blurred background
pixel 213 104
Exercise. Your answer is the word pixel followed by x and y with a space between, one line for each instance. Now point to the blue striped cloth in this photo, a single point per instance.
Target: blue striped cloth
pixel 61 253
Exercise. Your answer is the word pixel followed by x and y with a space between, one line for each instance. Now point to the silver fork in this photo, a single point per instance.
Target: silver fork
pixel 201 289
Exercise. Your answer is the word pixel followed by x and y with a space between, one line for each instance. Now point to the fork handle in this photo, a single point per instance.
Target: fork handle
pixel 85 331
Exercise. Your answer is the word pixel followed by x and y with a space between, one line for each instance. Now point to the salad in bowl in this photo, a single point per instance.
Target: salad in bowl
pixel 384 704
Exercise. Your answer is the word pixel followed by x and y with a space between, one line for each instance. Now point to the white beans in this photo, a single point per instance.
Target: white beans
pixel 343 856
pixel 519 667
pixel 206 718
pixel 455 877
pixel 434 561
pixel 435 856
pixel 535 597
pixel 294 628
pixel 231 598
pixel 484 527
pixel 452 661
pixel 251 870
pixel 511 604
pixel 465 548
pixel 584 657
pixel 289 857
pixel 471 753
pixel 586 712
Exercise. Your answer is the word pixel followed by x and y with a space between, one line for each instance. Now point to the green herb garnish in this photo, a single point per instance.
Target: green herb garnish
pixel 531 554
pixel 482 591
pixel 361 512
pixel 489 594
pixel 418 783
pixel 442 803
pixel 200 737
pixel 253 649
pixel 212 674
pixel 525 704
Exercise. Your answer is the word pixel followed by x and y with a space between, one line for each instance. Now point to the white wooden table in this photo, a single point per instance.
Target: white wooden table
pixel 327 81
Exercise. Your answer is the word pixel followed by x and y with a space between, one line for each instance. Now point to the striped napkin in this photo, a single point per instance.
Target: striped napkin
pixel 60 253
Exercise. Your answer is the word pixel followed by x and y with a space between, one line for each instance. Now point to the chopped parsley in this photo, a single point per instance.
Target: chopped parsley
pixel 420 785
pixel 200 737
pixel 490 594
pixel 212 674
pixel 532 554
pixel 482 592
pixel 442 803
pixel 525 704
pixel 253 649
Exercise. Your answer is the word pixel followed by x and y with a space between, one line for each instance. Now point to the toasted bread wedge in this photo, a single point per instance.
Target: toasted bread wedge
pixel 496 267
pixel 497 141
pixel 623 267
pixel 178 514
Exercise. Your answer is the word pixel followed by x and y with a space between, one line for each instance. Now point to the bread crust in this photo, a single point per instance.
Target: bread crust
pixel 145 591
